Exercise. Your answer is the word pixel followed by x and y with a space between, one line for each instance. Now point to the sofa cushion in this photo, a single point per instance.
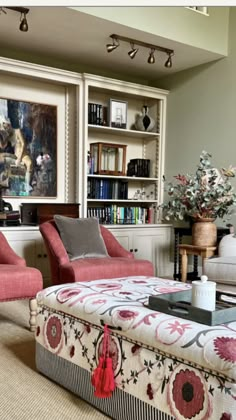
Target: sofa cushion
pixel 81 237
pixel 85 270
pixel 221 269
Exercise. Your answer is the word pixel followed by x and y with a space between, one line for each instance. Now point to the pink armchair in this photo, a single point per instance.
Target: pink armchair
pixel 120 263
pixel 18 281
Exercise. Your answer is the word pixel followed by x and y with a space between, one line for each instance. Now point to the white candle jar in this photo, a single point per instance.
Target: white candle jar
pixel 204 294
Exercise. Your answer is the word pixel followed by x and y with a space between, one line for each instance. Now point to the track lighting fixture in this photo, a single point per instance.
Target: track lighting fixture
pixel 23 12
pixel 151 59
pixel 114 45
pixel 132 53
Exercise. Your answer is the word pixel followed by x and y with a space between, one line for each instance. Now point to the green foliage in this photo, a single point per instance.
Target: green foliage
pixel 206 194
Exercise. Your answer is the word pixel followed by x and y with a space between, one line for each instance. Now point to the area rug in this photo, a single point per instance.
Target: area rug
pixel 25 393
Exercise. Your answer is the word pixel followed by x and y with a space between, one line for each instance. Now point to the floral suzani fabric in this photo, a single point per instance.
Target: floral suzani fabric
pixel 183 368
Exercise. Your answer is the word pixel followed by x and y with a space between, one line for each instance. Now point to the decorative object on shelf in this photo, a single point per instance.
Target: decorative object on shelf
pixel 23 12
pixel 118 114
pixel 109 159
pixel 143 121
pixel 207 194
pixel 151 59
pixel 139 168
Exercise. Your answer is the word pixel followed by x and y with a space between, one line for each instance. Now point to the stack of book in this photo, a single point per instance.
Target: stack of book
pixel 10 218
pixel 97 114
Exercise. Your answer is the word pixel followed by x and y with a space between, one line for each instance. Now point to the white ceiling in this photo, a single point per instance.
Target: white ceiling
pixel 78 39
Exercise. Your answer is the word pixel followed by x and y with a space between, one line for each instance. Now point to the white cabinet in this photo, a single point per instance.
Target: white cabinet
pixel 123 198
pixel 148 242
pixel 28 243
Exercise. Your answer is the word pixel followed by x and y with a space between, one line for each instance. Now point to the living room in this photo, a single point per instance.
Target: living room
pixel 199 116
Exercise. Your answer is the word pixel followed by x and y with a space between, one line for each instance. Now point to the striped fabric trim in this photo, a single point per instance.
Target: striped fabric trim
pixel 78 380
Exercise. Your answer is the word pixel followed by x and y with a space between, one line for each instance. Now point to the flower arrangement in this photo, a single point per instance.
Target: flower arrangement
pixel 206 194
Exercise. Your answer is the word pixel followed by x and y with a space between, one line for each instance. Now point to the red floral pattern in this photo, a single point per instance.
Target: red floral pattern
pixel 72 351
pixel 225 347
pixel 127 314
pixel 226 416
pixel 53 332
pixel 187 395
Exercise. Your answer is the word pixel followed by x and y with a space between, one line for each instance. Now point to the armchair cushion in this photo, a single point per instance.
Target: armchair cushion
pixel 81 237
pixel 221 269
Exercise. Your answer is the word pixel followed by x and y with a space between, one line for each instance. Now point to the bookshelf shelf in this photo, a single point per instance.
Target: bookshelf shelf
pixel 127 202
pixel 128 178
pixel 122 132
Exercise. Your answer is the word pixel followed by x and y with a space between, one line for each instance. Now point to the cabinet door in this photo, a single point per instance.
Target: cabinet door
pixel 142 245
pixel 124 237
pixel 151 244
pixel 136 241
pixel 161 246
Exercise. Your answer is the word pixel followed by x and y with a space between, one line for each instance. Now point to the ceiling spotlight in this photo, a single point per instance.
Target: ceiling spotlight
pixel 24 24
pixel 132 53
pixel 23 12
pixel 151 58
pixel 168 62
pixel 113 46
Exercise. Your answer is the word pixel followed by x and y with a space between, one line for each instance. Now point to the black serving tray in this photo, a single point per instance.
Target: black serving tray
pixel 179 304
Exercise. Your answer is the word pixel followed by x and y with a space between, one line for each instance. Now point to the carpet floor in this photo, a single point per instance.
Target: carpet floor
pixel 24 392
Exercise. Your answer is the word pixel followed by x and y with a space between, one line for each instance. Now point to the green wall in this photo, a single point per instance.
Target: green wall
pixel 174 23
pixel 201 113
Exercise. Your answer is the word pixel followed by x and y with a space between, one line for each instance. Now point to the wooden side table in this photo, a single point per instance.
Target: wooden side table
pixel 200 251
pixel 179 234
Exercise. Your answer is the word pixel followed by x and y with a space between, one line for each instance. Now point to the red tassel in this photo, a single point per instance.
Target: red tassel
pixel 98 373
pixel 108 377
pixel 103 376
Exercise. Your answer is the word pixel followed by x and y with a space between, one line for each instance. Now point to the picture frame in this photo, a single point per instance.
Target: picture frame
pixel 28 149
pixel 118 113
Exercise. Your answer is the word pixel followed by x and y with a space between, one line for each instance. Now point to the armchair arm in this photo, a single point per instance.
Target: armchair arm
pixel 53 243
pixel 7 255
pixel 114 248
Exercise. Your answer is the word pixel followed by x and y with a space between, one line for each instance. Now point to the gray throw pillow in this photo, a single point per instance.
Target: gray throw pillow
pixel 81 237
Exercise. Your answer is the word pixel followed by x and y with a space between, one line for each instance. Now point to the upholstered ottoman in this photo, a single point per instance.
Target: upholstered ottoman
pixel 165 367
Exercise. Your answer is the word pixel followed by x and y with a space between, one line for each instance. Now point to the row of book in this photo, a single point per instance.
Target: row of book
pixel 97 114
pixel 107 189
pixel 114 214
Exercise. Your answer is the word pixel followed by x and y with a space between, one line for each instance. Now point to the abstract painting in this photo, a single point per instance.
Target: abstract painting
pixel 28 149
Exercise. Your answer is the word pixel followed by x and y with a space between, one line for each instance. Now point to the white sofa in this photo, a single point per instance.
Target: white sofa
pixel 222 269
